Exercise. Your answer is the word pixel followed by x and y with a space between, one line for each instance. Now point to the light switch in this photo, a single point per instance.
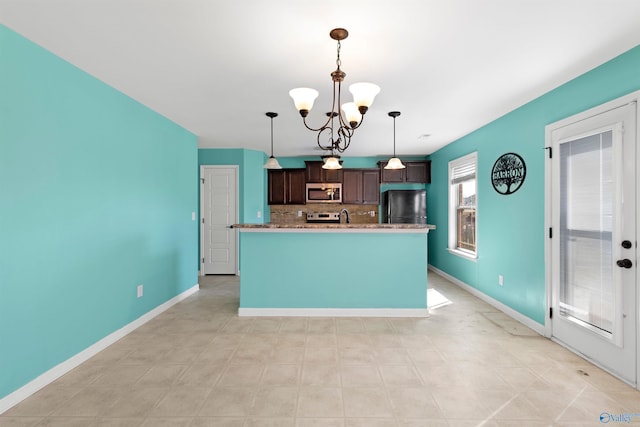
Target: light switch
pixel 193 216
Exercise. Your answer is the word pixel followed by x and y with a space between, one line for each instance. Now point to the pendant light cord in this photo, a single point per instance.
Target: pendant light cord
pixel 271 116
pixel 394 136
pixel 272 138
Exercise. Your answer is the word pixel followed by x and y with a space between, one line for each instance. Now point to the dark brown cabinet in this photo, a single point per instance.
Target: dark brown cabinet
pixel 391 175
pixel 418 172
pixel 415 172
pixel 286 186
pixel 361 186
pixel 315 173
pixel 296 187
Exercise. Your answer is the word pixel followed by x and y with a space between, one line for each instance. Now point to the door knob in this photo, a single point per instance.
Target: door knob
pixel 626 244
pixel 624 263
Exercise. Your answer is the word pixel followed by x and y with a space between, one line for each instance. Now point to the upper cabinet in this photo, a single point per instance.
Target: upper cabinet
pixel 315 173
pixel 418 172
pixel 415 172
pixel 361 186
pixel 286 186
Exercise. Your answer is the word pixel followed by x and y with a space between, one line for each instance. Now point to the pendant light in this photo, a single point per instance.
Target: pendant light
pixel 332 161
pixel 272 163
pixel 394 162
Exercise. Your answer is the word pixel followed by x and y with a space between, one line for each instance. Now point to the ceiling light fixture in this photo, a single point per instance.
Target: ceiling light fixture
pixel 272 163
pixel 394 162
pixel 340 132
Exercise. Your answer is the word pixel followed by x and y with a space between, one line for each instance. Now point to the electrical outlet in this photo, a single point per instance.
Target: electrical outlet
pixel 140 291
pixel 193 216
pixel 259 214
pixel 500 280
pixel 299 214
pixel 372 213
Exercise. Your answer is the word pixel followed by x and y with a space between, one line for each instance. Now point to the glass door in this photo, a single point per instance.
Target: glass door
pixel 594 243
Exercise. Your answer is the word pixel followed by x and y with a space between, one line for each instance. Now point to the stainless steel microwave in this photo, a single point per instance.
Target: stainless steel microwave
pixel 324 192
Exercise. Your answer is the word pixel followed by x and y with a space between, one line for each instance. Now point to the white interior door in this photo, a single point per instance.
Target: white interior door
pixel 219 196
pixel 593 245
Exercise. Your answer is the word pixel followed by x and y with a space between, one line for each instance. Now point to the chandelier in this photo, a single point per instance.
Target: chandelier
pixel 335 134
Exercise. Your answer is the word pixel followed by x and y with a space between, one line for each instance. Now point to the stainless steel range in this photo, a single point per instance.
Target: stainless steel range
pixel 323 217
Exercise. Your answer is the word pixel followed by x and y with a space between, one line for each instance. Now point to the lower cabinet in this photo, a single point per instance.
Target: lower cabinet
pixel 361 186
pixel 286 187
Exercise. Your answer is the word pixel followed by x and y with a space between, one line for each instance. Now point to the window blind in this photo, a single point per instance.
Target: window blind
pixel 463 171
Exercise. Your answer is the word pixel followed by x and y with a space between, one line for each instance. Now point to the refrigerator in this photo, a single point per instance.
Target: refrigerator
pixel 404 207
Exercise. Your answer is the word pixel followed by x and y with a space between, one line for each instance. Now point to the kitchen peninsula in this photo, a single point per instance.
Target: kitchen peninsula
pixel 333 269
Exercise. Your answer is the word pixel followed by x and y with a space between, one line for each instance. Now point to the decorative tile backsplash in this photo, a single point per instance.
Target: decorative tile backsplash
pixel 288 214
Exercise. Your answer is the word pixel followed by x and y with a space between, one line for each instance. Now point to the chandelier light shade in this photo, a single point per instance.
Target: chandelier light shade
pixel 335 134
pixel 272 162
pixel 303 98
pixel 364 94
pixel 394 162
pixel 352 113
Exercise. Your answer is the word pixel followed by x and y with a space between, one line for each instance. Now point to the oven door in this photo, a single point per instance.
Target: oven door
pixel 324 193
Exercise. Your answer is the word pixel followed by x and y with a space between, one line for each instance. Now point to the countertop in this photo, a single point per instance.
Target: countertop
pixel 347 227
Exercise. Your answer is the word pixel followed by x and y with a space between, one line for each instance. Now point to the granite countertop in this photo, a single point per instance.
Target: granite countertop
pixel 339 226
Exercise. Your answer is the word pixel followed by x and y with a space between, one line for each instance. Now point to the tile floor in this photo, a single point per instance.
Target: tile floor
pixel 200 365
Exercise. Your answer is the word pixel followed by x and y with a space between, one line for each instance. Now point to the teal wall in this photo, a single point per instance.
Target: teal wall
pixel 251 178
pixel 96 196
pixel 511 232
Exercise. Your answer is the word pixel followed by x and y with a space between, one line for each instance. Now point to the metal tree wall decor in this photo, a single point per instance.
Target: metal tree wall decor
pixel 508 173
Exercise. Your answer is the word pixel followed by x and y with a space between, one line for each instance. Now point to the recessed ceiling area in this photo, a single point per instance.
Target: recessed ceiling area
pixel 216 67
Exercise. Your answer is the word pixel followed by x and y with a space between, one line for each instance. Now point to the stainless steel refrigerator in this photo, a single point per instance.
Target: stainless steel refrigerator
pixel 404 207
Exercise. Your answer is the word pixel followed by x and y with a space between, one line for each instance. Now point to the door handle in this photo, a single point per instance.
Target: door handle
pixel 624 263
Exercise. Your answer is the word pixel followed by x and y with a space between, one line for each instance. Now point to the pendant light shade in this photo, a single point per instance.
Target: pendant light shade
pixel 272 163
pixel 332 163
pixel 394 162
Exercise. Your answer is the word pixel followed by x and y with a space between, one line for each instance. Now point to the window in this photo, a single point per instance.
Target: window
pixel 462 205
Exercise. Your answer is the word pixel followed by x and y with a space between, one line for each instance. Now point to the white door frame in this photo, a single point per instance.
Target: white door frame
pixel 619 102
pixel 202 213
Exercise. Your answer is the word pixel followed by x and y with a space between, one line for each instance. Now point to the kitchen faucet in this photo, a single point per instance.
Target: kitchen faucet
pixel 347 212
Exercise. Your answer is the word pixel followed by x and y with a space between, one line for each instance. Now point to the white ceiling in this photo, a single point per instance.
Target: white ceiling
pixel 215 67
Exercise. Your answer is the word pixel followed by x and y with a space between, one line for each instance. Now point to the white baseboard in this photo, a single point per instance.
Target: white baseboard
pixel 334 312
pixel 57 371
pixel 495 303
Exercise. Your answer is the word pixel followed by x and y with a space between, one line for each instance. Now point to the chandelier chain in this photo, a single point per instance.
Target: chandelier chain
pixel 338 61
